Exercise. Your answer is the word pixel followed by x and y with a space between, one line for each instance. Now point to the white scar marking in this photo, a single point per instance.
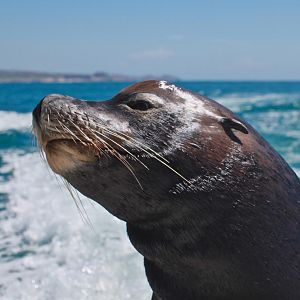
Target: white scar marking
pixel 164 85
pixel 193 104
pixel 187 114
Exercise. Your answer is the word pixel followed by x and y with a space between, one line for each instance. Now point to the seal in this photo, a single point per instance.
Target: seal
pixel 211 206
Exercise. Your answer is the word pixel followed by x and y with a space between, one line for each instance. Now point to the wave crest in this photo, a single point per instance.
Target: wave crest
pixel 11 120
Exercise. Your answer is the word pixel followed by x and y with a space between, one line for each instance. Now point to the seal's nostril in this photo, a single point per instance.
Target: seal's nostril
pixel 37 111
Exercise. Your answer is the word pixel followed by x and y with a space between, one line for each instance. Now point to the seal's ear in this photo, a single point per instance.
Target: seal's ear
pixel 233 123
pixel 228 124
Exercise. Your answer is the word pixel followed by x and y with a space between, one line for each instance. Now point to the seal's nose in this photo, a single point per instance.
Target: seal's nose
pixel 37 111
pixel 53 100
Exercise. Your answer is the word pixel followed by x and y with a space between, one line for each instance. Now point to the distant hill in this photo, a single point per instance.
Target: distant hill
pixel 28 76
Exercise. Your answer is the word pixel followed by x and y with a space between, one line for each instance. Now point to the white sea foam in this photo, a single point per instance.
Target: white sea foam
pixel 11 120
pixel 246 101
pixel 254 97
pixel 49 253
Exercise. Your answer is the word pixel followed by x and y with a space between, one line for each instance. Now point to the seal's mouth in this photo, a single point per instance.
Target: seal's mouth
pixel 67 147
pixel 86 149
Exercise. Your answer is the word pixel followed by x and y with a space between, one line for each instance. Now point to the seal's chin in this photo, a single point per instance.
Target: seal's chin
pixel 64 155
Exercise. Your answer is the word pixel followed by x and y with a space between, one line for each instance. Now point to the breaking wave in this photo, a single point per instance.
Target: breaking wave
pixel 48 252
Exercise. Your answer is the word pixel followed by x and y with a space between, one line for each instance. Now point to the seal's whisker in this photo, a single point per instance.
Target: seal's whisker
pixel 75 201
pixel 102 142
pixel 127 138
pixel 118 156
pixel 145 146
pixel 129 167
pixel 165 164
pixel 64 127
pixel 107 146
pixel 83 207
pixel 85 217
pixel 32 132
pixel 85 136
pixel 41 153
pixel 83 214
pixel 34 142
pixel 142 147
pixel 58 130
pixel 123 148
pixel 155 157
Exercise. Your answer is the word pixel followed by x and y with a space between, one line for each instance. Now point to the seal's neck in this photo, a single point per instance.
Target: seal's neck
pixel 178 256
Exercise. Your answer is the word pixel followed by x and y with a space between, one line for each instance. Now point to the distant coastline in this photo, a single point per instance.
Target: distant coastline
pixel 45 77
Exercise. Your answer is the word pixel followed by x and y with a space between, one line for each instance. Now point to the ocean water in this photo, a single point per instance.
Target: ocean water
pixel 46 250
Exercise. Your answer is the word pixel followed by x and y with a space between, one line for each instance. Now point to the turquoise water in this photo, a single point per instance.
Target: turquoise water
pixel 46 250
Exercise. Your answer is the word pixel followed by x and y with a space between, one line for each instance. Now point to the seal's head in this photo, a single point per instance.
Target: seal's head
pixel 136 147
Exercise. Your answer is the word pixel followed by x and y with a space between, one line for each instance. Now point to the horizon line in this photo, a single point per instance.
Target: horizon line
pixel 174 78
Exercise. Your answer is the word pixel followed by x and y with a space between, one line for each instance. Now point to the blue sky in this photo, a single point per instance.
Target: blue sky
pixel 254 40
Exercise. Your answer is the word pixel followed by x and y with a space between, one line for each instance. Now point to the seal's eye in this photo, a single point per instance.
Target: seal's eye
pixel 140 104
